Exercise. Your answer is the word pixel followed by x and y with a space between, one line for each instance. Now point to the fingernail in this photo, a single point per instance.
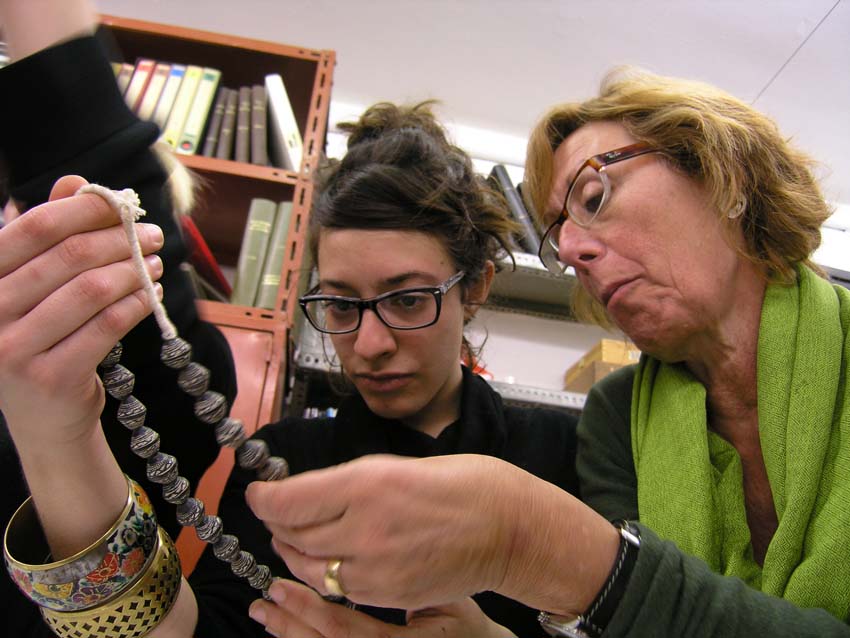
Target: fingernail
pixel 155 234
pixel 154 265
pixel 277 594
pixel 158 288
pixel 257 613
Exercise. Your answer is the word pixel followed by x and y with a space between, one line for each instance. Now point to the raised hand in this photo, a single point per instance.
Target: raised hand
pixel 299 612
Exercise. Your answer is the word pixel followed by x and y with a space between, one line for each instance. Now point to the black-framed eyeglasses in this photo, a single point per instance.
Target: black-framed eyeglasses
pixel 407 309
pixel 587 195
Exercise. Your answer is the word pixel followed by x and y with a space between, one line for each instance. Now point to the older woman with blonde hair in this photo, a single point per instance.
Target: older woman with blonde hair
pixel 723 456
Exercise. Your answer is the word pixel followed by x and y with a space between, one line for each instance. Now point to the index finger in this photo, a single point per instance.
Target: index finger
pixel 48 224
pixel 310 498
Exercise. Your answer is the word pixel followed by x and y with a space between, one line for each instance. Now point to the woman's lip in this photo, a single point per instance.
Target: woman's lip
pixel 611 291
pixel 383 382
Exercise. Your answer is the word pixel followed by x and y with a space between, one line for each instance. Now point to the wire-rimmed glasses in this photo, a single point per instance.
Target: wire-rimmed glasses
pixel 586 197
pixel 407 309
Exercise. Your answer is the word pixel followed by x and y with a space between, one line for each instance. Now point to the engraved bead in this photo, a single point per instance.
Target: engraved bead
pixel 177 491
pixel 274 469
pixel 261 579
pixel 210 528
pixel 113 357
pixel 194 379
pixel 176 353
pixel 162 468
pixel 226 548
pixel 230 432
pixel 243 564
pixel 118 381
pixel 211 407
pixel 144 442
pixel 252 454
pixel 132 413
pixel 191 512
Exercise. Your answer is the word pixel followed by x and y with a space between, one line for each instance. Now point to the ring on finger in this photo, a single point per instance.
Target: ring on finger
pixel 332 583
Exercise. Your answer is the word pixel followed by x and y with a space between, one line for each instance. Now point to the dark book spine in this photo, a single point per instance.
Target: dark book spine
pixel 259 138
pixel 243 125
pixel 211 140
pixel 224 148
pixel 529 239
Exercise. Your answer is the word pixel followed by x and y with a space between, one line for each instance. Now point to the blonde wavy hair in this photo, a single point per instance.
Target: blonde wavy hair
pixel 735 151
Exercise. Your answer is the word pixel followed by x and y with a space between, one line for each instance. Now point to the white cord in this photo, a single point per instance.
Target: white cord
pixel 128 206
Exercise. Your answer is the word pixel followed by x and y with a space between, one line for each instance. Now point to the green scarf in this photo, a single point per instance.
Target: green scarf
pixel 690 487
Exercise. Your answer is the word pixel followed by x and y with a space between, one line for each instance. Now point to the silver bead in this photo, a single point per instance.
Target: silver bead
pixel 191 512
pixel 194 379
pixel 176 492
pixel 113 357
pixel 119 381
pixel 162 468
pixel 132 413
pixel 226 548
pixel 261 579
pixel 274 469
pixel 244 564
pixel 210 528
pixel 230 432
pixel 176 353
pixel 144 442
pixel 211 407
pixel 252 454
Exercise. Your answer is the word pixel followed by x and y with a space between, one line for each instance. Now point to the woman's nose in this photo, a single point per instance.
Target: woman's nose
pixel 374 337
pixel 577 246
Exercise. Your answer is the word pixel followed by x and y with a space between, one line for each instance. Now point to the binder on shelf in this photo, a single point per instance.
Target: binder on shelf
pixel 224 148
pixel 270 278
pixel 190 138
pixel 202 258
pixel 259 138
pixel 138 83
pixel 243 125
pixel 211 140
pixel 252 253
pixel 285 141
pixel 169 93
pixel 182 103
pixel 529 240
pixel 149 100
pixel 123 76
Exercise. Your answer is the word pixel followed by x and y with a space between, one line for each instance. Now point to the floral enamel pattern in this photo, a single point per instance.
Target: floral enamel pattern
pixel 101 571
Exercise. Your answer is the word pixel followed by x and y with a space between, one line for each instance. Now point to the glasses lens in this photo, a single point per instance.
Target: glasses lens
pixel 408 309
pixel 332 315
pixel 586 197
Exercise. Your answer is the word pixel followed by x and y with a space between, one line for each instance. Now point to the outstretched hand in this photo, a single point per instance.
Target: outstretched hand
pixel 299 612
pixel 69 294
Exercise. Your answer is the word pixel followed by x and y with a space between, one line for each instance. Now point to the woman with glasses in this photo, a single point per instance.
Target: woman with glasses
pixel 404 236
pixel 722 458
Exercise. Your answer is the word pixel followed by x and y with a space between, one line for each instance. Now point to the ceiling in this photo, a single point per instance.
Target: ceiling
pixel 497 65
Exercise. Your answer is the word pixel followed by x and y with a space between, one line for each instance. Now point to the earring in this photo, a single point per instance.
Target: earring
pixel 738 210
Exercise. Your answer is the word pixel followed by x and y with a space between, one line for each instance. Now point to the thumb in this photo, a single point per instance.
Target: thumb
pixel 66 187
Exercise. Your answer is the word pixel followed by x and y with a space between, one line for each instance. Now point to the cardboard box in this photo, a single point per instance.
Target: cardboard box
pixel 605 357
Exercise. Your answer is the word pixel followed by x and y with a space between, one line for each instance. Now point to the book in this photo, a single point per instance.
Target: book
pixel 270 277
pixel 224 148
pixel 252 252
pixel 259 141
pixel 243 125
pixel 116 66
pixel 190 138
pixel 285 140
pixel 138 83
pixel 169 92
pixel 182 103
pixel 211 140
pixel 529 238
pixel 147 104
pixel 201 257
pixel 124 75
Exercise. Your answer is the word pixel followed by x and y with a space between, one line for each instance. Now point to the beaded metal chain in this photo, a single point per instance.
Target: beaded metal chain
pixel 210 407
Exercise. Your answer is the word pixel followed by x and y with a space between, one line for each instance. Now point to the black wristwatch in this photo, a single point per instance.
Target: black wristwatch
pixel 593 622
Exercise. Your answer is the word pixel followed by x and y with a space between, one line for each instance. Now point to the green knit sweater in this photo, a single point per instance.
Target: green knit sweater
pixel 671 594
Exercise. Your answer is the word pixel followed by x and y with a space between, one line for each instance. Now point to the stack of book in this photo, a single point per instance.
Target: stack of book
pixel 261 254
pixel 253 124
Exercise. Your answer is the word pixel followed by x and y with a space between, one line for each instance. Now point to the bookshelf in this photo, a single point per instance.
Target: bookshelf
pixel 257 336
